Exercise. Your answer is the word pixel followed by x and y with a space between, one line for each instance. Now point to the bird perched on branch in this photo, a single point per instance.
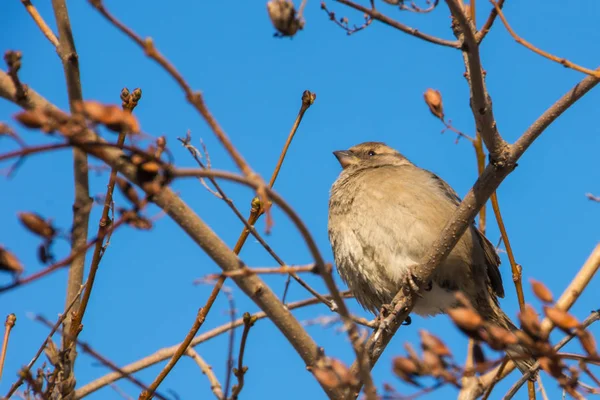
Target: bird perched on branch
pixel 384 215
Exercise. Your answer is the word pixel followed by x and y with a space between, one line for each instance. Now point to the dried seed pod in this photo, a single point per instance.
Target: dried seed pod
pixel 541 291
pixel 433 99
pixel 530 321
pixel 36 224
pixel 284 18
pixel 433 363
pixel 343 372
pixel 588 342
pixel 502 336
pixel 434 344
pixel 406 369
pixel 128 191
pixel 561 318
pixel 112 116
pixel 552 366
pixel 466 319
pixel 326 375
pixel 9 262
pixel 34 119
pixel 137 221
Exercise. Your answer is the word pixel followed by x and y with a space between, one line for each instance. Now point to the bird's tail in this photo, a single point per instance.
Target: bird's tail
pixel 519 354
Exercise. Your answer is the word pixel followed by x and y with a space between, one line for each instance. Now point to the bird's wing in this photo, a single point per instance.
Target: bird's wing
pixel 491 256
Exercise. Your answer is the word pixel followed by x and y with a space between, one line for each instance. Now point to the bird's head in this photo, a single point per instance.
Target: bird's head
pixel 369 155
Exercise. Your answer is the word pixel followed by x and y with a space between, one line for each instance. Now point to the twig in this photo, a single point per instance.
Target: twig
pixel 167 352
pixel 11 319
pixel 200 318
pixel 207 370
pixel 562 61
pixel 565 302
pixel 245 271
pixel 374 14
pixel 241 369
pixel 481 103
pixel 343 22
pixel 496 379
pixel 487 183
pixel 542 389
pixel 82 201
pixel 229 361
pixel 105 220
pixel 103 360
pixel 39 21
pixel 516 268
pixel 55 327
pixel 63 263
pixel 489 22
pixel 593 317
pixel 194 98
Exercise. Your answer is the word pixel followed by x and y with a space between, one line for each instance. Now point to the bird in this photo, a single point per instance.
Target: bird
pixel 384 215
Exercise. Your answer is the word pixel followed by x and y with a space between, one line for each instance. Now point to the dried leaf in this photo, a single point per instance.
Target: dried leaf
pixel 502 336
pixel 588 342
pixel 465 318
pixel 433 99
pixel 434 344
pixel 34 119
pixel 406 369
pixel 541 291
pixel 36 224
pixel 561 318
pixel 530 321
pixel 9 262
pixel 327 376
pixel 433 363
pixel 112 116
pixel 343 372
pixel 552 366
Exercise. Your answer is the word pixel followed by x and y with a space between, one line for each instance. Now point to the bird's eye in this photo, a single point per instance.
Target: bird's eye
pixel 371 153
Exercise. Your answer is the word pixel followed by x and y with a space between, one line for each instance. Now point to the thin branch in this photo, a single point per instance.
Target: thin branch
pixel 103 360
pixel 11 319
pixel 593 317
pixel 284 269
pixel 168 352
pixel 55 327
pixel 374 14
pixel 194 98
pixel 481 103
pixel 562 61
pixel 200 318
pixel 241 369
pixel 488 23
pixel 207 370
pixel 104 222
pixel 516 268
pixel 567 299
pixel 82 201
pixel 39 21
pixel 63 263
pixel 486 184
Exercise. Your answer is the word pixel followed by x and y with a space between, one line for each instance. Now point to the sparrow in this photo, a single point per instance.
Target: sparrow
pixel 384 215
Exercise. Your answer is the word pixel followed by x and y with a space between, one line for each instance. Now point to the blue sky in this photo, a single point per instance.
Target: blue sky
pixel 369 86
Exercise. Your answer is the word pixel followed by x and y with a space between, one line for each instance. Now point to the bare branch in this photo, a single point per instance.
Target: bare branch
pixel 374 14
pixel 39 21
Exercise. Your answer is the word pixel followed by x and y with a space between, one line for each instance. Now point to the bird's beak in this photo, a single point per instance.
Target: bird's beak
pixel 345 157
